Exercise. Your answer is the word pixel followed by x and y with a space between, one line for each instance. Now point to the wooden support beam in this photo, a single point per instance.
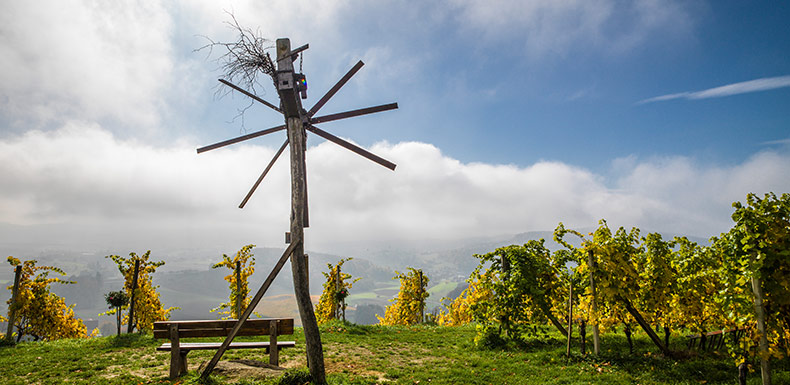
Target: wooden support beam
pixel 248 311
pixel 645 326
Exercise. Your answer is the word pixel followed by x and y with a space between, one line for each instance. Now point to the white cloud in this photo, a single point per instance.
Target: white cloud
pixel 84 60
pixel 112 192
pixel 785 142
pixel 756 85
pixel 129 65
pixel 549 27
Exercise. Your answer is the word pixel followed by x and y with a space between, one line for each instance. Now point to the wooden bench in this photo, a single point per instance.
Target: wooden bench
pixel 713 340
pixel 176 330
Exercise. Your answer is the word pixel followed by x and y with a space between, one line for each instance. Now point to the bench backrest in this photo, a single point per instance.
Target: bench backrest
pixel 221 328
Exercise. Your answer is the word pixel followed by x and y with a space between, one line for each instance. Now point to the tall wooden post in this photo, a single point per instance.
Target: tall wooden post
pixel 297 141
pixel 118 319
pixel 131 300
pixel 338 287
pixel 570 319
pixel 239 295
pixel 505 268
pixel 765 365
pixel 596 336
pixel 11 307
pixel 422 301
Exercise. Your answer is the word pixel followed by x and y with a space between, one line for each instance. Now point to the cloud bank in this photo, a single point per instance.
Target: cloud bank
pixel 756 85
pixel 86 186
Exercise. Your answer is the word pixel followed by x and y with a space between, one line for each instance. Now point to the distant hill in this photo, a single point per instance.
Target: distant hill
pixel 188 282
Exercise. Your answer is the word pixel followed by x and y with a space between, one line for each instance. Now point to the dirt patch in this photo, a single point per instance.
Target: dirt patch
pixel 113 371
pixel 249 369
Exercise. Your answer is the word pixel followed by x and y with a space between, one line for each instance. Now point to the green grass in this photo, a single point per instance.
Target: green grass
pixel 442 289
pixel 377 354
pixel 366 295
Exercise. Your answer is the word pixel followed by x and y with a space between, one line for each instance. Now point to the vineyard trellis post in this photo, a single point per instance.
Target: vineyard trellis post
pixel 11 307
pixel 765 364
pixel 505 269
pixel 132 298
pixel 239 294
pixel 118 320
pixel 340 311
pixel 570 318
pixel 422 300
pixel 596 335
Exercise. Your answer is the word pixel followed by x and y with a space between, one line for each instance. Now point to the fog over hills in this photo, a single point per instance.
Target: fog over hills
pixel 188 282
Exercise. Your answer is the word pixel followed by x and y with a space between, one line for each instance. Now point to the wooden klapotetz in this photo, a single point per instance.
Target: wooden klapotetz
pixel 291 88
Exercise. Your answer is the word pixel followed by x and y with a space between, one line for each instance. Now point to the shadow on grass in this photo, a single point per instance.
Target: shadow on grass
pixel 336 326
pixel 710 367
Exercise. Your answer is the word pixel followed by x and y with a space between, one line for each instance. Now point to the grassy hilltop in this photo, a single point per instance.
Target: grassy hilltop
pixel 374 355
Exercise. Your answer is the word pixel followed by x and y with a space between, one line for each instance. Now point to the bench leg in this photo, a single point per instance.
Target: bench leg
pixel 177 356
pixel 183 369
pixel 274 351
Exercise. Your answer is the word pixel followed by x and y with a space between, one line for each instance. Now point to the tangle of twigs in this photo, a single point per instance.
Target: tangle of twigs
pixel 244 59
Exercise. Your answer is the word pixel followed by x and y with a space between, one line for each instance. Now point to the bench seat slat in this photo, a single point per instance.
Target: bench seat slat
pixel 221 328
pixel 196 333
pixel 234 345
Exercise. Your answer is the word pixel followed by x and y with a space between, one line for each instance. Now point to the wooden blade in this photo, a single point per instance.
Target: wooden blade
pixel 332 91
pixel 240 138
pixel 243 91
pixel 353 113
pixel 265 171
pixel 351 147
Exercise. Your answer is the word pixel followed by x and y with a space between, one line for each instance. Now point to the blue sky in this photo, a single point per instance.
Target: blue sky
pixel 514 115
pixel 513 89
